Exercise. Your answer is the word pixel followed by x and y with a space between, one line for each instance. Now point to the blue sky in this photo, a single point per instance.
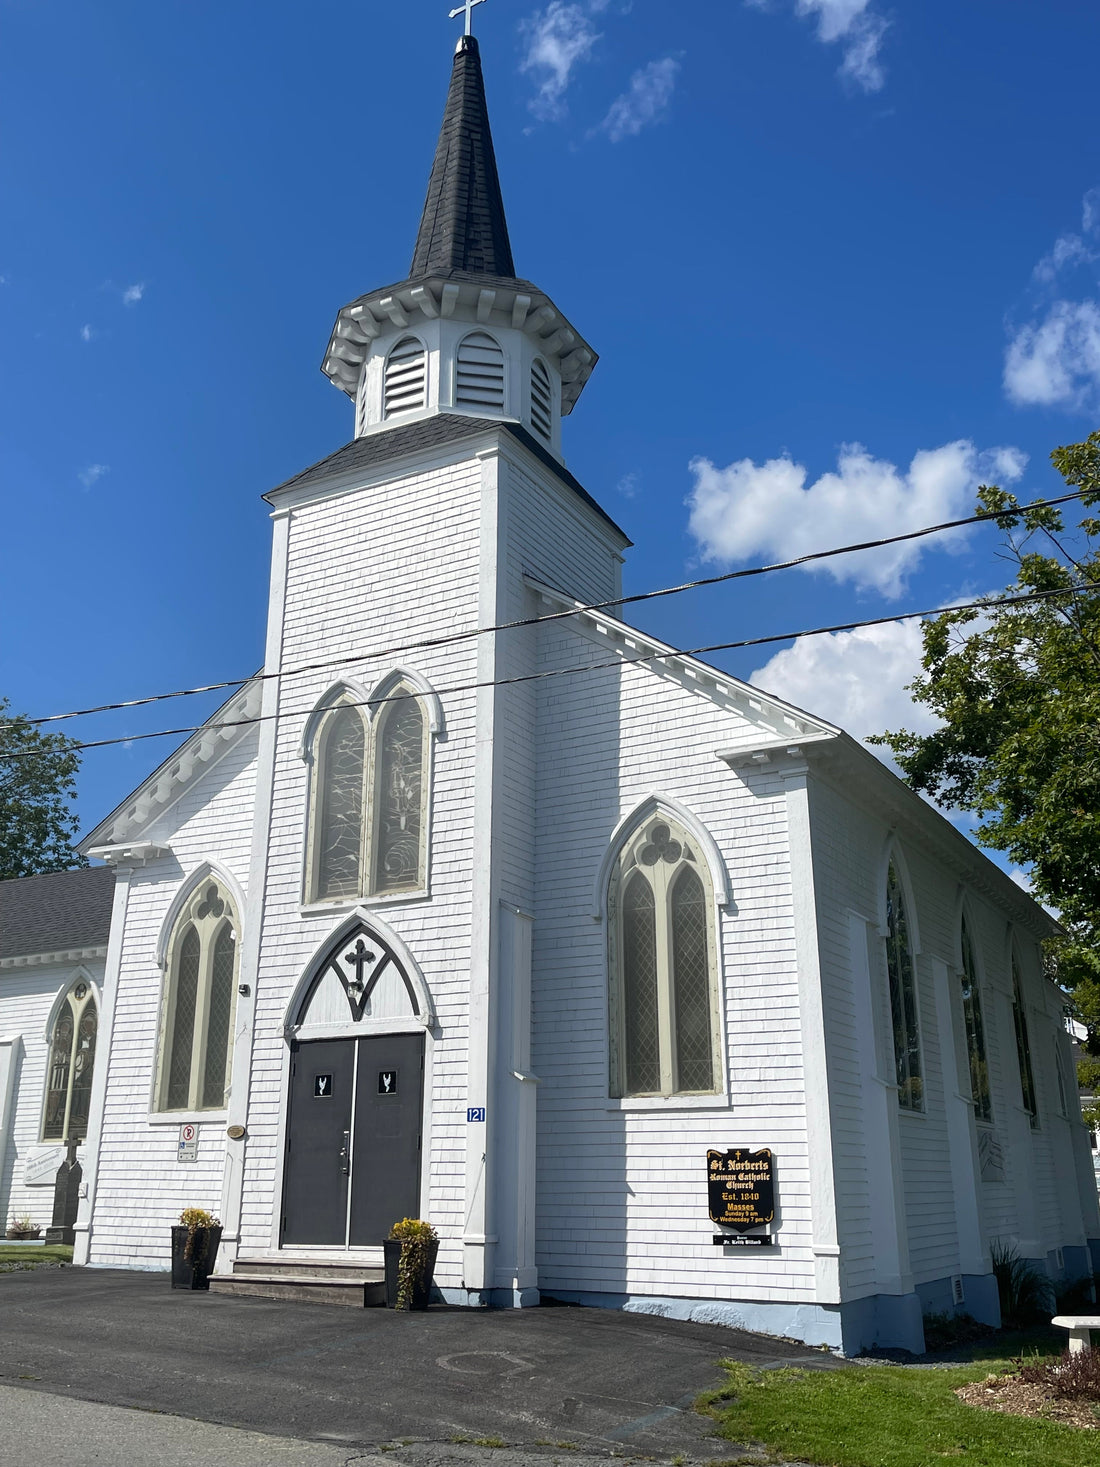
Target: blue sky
pixel 839 258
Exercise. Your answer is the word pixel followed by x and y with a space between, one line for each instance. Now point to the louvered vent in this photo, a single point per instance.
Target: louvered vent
pixel 542 399
pixel 480 378
pixel 406 377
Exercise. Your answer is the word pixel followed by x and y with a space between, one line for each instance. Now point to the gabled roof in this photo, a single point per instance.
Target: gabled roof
pixel 434 432
pixel 63 912
pixel 463 225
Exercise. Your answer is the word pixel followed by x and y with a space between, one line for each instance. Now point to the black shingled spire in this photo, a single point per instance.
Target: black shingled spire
pixel 463 226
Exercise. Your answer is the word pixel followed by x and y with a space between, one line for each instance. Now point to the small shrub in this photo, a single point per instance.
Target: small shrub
pixel 416 1238
pixel 1027 1296
pixel 195 1219
pixel 1073 1378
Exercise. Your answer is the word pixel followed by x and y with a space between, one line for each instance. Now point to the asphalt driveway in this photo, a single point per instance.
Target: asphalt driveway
pixel 600 1380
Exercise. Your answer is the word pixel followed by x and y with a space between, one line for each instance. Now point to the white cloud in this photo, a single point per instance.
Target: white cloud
pixel 1053 360
pixel 92 474
pixel 133 294
pixel 5 279
pixel 749 510
pixel 87 333
pixel 646 101
pixel 1022 878
pixel 855 679
pixel 558 39
pixel 856 26
pixel 628 486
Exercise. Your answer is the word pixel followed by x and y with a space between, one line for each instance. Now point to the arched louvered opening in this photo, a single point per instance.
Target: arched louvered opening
pixel 406 377
pixel 479 381
pixel 542 399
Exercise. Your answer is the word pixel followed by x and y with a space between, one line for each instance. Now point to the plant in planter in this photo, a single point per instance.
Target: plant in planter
pixel 195 1243
pixel 23 1229
pixel 410 1252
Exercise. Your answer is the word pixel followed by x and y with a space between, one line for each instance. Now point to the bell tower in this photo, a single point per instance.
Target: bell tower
pixel 463 334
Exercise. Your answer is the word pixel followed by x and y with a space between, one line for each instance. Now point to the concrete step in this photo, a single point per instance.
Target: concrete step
pixel 352 1292
pixel 319 1268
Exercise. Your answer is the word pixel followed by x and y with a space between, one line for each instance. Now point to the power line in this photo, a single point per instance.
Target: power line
pixel 671 652
pixel 453 637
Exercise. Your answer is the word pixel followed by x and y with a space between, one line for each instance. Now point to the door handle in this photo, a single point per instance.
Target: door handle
pixel 345 1154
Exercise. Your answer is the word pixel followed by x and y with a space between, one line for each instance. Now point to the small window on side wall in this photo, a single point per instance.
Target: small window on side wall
pixel 975 1029
pixel 1028 1093
pixel 71 1064
pixel 662 950
pixel 903 997
pixel 200 1000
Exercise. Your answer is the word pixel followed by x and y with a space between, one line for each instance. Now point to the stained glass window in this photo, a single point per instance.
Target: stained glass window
pixel 1023 1045
pixel 201 995
pixel 903 997
pixel 975 1031
pixel 72 1059
pixel 340 824
pixel 663 999
pixel 398 794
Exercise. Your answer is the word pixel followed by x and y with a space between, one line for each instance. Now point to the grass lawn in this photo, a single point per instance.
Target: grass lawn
pixel 14 1258
pixel 887 1416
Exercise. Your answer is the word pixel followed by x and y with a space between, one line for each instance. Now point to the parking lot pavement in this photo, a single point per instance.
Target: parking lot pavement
pixel 603 1381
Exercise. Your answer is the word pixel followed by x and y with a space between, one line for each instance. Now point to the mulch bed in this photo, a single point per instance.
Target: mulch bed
pixel 1016 1397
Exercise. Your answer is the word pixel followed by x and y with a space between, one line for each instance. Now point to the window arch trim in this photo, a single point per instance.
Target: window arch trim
pixel 208 871
pixel 661 804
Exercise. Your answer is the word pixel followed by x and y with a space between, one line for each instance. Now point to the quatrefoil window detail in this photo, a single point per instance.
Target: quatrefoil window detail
pixel 212 905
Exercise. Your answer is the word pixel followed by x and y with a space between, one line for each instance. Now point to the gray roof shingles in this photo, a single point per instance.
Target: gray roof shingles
pixel 60 912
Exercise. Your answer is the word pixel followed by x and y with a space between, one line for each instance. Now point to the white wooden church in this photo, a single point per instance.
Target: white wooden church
pixel 430 920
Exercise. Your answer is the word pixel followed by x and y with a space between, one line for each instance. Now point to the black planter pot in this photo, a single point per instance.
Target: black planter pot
pixel 423 1293
pixel 194 1272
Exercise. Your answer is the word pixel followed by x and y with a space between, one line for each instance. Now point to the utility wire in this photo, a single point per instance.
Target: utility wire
pixel 530 677
pixel 453 637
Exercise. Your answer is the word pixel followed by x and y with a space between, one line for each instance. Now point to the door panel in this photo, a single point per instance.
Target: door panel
pixel 386 1145
pixel 315 1189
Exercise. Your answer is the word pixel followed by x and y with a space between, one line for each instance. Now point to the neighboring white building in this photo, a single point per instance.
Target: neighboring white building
pixel 53 947
pixel 433 922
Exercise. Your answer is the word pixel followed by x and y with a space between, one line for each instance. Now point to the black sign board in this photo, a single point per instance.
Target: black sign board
pixel 387 1082
pixel 322 1087
pixel 741 1188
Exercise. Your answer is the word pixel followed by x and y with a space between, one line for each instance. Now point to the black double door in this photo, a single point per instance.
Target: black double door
pixel 353 1139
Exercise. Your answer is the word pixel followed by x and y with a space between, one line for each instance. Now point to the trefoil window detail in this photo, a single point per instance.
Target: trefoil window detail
pixel 200 1001
pixel 975 1030
pixel 369 798
pixel 542 400
pixel 1023 1046
pixel 406 378
pixel 903 997
pixel 479 376
pixel 71 1065
pixel 664 992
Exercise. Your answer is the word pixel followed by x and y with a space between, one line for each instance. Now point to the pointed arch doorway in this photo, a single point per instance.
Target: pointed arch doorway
pixel 356 1096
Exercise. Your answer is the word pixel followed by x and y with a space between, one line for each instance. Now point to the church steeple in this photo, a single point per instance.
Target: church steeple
pixel 463 225
pixel 462 335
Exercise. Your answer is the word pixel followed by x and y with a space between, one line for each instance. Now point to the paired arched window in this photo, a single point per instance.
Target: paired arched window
pixel 72 1060
pixel 370 787
pixel 903 996
pixel 975 1029
pixel 664 992
pixel 479 372
pixel 542 400
pixel 200 997
pixel 406 378
pixel 1023 1044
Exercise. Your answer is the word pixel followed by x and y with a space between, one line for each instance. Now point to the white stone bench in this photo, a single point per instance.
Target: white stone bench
pixel 1080 1327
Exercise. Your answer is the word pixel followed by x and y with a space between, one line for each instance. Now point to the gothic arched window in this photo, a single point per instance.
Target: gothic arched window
pixel 479 375
pixel 664 999
pixel 903 996
pixel 406 378
pixel 200 999
pixel 1023 1045
pixel 370 797
pixel 975 1029
pixel 71 1063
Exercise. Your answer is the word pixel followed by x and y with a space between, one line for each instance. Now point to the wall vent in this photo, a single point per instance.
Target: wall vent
pixel 542 400
pixel 406 377
pixel 958 1293
pixel 480 378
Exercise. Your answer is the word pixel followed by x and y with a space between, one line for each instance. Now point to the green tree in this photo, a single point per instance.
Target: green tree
pixel 1018 690
pixel 37 788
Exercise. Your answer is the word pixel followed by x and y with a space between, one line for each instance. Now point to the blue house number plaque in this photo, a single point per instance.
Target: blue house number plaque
pixel 475 1113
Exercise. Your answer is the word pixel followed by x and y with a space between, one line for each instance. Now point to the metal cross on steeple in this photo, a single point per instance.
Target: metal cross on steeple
pixel 468 7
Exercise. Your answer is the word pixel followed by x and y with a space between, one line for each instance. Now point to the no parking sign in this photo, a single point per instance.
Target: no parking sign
pixel 188 1148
